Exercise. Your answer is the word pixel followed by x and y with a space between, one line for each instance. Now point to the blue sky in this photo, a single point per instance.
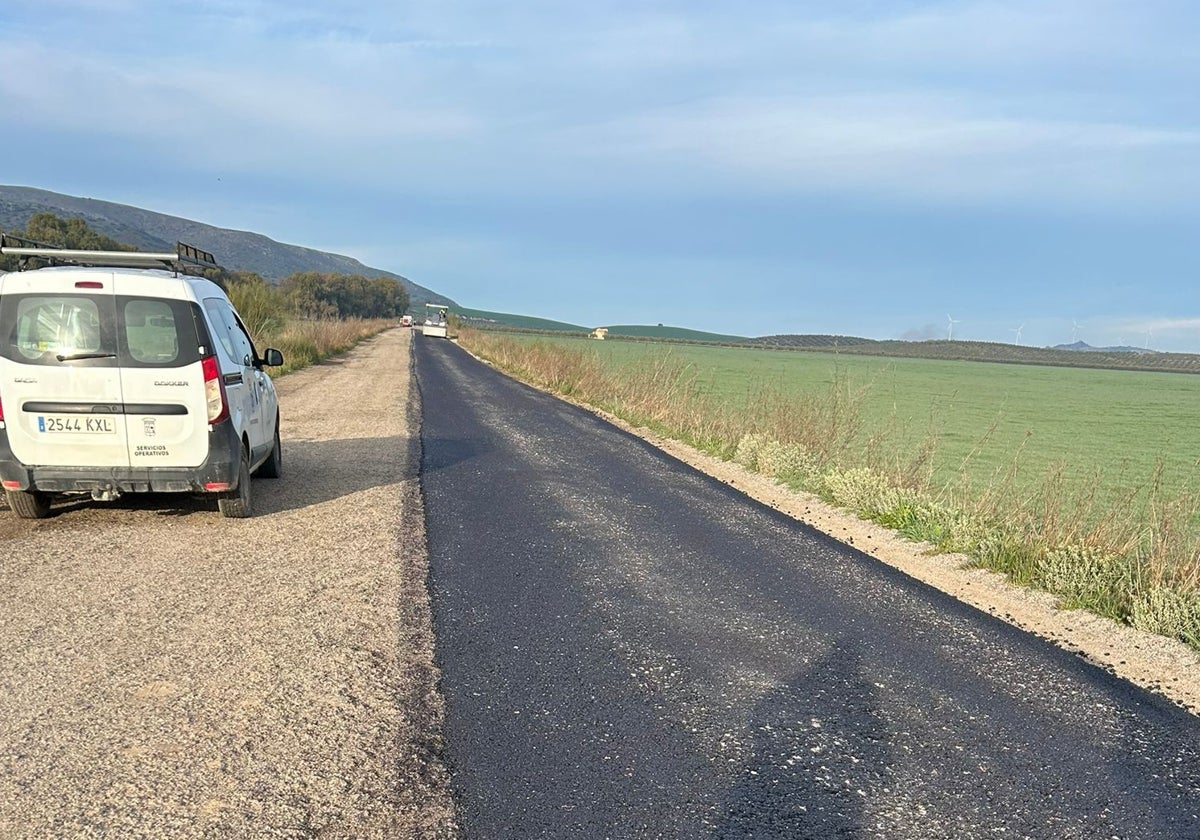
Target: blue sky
pixel 858 167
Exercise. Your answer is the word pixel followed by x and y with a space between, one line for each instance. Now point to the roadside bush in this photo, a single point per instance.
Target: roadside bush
pixel 1091 578
pixel 788 462
pixel 262 307
pixel 746 452
pixel 860 489
pixel 1168 612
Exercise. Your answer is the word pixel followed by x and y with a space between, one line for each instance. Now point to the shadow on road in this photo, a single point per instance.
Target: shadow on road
pixel 820 746
pixel 314 472
pixel 318 471
pixel 443 452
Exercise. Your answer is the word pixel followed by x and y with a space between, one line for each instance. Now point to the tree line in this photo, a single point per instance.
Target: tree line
pixel 304 294
pixel 49 229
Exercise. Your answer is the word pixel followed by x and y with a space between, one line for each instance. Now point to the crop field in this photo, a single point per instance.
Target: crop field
pixel 1115 426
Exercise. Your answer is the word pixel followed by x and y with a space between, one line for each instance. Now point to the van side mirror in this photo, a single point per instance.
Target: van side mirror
pixel 272 357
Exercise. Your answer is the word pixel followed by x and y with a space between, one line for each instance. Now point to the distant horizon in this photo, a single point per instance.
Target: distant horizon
pixel 1076 347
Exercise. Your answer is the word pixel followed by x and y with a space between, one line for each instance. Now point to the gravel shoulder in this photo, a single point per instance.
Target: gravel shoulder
pixel 1165 666
pixel 168 672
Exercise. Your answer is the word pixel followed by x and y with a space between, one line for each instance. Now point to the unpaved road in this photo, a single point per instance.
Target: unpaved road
pixel 165 672
pixel 630 648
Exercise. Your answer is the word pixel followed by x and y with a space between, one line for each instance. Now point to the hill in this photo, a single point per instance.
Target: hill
pixel 1112 358
pixel 1084 347
pixel 504 320
pixel 483 319
pixel 816 342
pixel 236 250
pixel 662 333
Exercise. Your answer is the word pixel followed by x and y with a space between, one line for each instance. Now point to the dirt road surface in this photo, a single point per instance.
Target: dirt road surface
pixel 165 672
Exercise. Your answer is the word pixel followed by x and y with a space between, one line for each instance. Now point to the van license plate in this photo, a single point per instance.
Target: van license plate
pixel 76 424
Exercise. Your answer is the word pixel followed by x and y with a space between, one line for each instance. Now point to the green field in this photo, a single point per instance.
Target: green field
pixel 984 416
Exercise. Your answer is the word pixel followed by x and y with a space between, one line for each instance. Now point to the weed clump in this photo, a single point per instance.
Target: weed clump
pixel 862 490
pixel 1168 612
pixel 788 462
pixel 1090 577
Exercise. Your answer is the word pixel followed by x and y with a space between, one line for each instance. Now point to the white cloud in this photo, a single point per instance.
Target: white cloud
pixel 238 118
pixel 1163 325
pixel 906 144
pixel 956 101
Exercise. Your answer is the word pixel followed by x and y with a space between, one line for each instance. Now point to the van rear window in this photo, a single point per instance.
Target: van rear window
pixel 58 326
pixel 110 331
pixel 150 331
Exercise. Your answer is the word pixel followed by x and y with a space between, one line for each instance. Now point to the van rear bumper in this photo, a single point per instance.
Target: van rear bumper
pixel 221 467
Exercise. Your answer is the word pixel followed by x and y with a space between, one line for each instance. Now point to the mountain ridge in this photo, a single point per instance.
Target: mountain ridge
pixel 1084 347
pixel 236 250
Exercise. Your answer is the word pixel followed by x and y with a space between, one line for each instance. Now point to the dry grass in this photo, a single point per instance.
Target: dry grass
pixel 304 343
pixel 1094 546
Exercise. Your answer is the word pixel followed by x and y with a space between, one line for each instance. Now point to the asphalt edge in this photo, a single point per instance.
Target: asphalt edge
pixel 424 788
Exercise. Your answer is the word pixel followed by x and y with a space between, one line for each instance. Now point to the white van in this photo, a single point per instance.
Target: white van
pixel 121 373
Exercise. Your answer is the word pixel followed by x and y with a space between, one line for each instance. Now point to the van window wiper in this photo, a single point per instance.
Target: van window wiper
pixel 76 356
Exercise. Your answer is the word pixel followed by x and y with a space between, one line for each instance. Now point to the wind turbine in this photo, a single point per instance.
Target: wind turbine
pixel 1074 330
pixel 1149 335
pixel 1018 332
pixel 953 321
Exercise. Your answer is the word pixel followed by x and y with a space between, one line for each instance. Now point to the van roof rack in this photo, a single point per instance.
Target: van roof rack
pixel 185 257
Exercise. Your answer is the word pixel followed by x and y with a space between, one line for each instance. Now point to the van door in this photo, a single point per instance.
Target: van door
pixel 236 355
pixel 265 406
pixel 162 379
pixel 59 371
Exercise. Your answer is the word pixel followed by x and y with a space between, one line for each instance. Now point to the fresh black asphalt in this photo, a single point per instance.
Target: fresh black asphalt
pixel 631 649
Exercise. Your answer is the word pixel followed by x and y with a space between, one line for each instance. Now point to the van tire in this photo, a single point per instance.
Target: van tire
pixel 29 504
pixel 273 466
pixel 236 504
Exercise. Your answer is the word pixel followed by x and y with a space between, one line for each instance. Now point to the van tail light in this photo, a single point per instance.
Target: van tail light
pixel 1 410
pixel 214 391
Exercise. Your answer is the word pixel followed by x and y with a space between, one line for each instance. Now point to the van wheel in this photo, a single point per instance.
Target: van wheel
pixel 236 504
pixel 29 504
pixel 273 466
